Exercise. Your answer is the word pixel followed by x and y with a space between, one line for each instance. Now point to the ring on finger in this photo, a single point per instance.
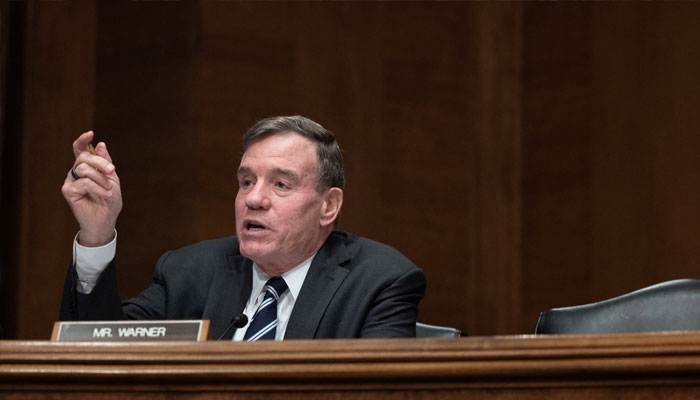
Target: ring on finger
pixel 74 174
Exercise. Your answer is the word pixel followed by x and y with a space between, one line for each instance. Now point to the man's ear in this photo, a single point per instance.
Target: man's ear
pixel 330 208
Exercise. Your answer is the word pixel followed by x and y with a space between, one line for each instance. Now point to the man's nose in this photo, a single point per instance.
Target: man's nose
pixel 258 197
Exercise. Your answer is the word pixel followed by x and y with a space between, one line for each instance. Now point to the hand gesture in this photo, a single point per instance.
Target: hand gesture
pixel 93 192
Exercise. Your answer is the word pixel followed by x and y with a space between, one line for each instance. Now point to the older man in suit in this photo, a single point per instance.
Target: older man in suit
pixel 321 283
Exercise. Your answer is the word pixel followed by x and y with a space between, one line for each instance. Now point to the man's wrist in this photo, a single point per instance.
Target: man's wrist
pixel 87 239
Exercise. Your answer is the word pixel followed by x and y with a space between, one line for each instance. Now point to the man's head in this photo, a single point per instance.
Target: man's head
pixel 290 191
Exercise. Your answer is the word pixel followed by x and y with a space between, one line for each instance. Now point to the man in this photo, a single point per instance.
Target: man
pixel 334 285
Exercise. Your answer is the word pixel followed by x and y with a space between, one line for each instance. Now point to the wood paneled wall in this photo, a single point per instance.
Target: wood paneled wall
pixel 610 155
pixel 525 155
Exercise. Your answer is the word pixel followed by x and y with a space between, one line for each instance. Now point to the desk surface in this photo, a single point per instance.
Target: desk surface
pixel 663 365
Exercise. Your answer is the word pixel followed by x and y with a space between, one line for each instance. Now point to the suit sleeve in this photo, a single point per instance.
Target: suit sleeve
pixel 395 309
pixel 101 304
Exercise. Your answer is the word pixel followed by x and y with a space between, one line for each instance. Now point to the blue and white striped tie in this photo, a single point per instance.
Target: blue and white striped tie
pixel 264 323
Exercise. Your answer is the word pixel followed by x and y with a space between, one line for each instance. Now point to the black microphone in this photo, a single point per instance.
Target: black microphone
pixel 239 321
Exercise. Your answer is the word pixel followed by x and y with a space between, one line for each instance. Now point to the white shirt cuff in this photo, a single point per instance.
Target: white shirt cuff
pixel 91 261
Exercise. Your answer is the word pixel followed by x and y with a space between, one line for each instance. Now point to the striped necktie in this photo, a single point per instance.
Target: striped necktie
pixel 264 323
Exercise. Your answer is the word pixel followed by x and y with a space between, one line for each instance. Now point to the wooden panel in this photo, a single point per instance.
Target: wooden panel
pixel 57 105
pixel 556 237
pixel 664 365
pixel 610 150
pixel 9 160
pixel 494 291
pixel 646 144
pixel 4 33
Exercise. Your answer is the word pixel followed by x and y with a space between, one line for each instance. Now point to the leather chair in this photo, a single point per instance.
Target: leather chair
pixel 667 306
pixel 434 331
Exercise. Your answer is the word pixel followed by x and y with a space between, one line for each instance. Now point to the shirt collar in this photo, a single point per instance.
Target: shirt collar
pixel 294 277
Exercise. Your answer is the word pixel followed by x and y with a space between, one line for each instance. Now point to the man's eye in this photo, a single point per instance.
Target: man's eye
pixel 281 185
pixel 246 183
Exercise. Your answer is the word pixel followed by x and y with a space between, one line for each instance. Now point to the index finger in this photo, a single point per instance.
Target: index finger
pixel 82 144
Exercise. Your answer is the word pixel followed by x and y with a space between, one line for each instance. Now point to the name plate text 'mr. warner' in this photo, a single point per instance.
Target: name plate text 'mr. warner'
pixel 110 331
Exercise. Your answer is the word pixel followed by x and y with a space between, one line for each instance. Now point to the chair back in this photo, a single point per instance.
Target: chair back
pixel 667 306
pixel 435 331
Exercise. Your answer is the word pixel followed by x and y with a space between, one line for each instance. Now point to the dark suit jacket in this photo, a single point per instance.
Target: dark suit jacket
pixel 355 287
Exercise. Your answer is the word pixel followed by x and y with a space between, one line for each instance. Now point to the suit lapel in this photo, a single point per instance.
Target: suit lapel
pixel 325 276
pixel 228 295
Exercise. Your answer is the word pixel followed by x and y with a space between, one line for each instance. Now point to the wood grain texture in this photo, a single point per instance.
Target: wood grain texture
pixel 645 140
pixel 502 367
pixel 58 89
pixel 556 176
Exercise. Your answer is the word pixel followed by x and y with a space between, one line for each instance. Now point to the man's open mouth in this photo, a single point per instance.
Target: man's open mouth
pixel 254 227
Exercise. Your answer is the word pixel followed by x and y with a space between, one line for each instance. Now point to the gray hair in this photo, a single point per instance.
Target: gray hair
pixel 330 161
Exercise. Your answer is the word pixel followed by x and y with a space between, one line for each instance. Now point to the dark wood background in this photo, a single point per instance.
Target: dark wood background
pixel 525 155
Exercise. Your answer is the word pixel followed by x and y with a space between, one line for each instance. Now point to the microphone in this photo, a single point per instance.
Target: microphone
pixel 239 321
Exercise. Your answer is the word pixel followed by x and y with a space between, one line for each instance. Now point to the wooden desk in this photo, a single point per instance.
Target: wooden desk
pixel 661 365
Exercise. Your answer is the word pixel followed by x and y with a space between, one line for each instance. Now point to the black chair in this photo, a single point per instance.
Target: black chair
pixel 434 331
pixel 667 306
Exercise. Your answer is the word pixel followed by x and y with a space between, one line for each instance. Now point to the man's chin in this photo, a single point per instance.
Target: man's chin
pixel 254 251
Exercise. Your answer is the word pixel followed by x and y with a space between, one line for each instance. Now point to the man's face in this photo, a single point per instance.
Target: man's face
pixel 278 210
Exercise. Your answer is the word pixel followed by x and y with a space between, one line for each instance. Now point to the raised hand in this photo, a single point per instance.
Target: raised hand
pixel 93 192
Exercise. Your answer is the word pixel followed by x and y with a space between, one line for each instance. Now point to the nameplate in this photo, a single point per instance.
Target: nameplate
pixel 117 331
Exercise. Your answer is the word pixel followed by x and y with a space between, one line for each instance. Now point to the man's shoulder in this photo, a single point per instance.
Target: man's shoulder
pixel 362 251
